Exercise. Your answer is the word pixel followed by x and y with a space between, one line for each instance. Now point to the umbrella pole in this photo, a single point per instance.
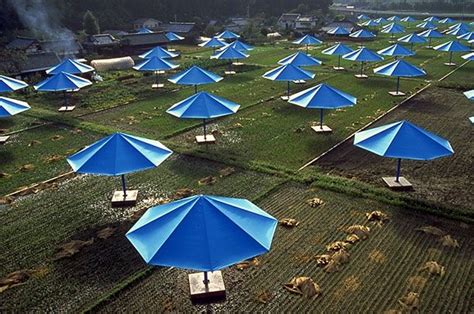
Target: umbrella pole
pixel 450 57
pixel 307 48
pixel 206 280
pixel 124 187
pixel 321 113
pixel 65 99
pixel 398 84
pixel 195 89
pixel 204 126
pixel 429 42
pixel 339 62
pixel 411 47
pixel 399 163
pixel 361 68
pixel 288 90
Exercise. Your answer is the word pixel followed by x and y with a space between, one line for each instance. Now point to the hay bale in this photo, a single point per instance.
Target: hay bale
pixel 264 296
pixel 377 217
pixel 225 172
pixel 289 222
pixel 361 231
pixel 182 193
pixel 304 286
pixel 123 63
pixel 247 264
pixel 337 245
pixel 433 268
pixel 210 180
pixel 410 302
pixel 449 241
pixel 315 202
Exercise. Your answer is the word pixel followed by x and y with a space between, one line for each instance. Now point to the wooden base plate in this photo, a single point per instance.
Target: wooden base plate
pixel 450 64
pixel 3 139
pixel 338 68
pixel 229 72
pixel 159 72
pixel 130 200
pixel 154 86
pixel 402 184
pixel 171 50
pixel 210 139
pixel 284 98
pixel 398 94
pixel 361 76
pixel 299 82
pixel 66 109
pixel 214 291
pixel 319 129
pixel 238 64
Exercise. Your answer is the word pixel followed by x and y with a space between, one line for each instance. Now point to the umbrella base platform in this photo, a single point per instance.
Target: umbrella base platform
pixel 429 47
pixel 209 139
pixel 159 72
pixel 214 291
pixel 130 200
pixel 285 98
pixel 338 68
pixel 397 94
pixel 361 76
pixel 66 108
pixel 237 64
pixel 171 50
pixel 323 129
pixel 299 82
pixel 450 64
pixel 155 86
pixel 402 184
pixel 3 139
pixel 230 73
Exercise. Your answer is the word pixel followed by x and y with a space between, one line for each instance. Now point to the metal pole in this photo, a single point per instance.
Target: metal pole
pixel 429 42
pixel 288 90
pixel 397 179
pixel 204 125
pixel 398 83
pixel 339 62
pixel 450 57
pixel 206 280
pixel 195 89
pixel 321 113
pixel 361 68
pixel 124 188
pixel 65 99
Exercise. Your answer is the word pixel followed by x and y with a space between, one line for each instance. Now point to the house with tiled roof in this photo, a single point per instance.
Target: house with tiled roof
pixel 149 23
pixel 287 21
pixel 134 44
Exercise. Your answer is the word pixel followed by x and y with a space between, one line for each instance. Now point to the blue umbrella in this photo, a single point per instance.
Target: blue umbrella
pixel 229 53
pixel 228 35
pixel 239 46
pixel 307 40
pixel 10 107
pixel 393 29
pixel 8 84
pixel 155 64
pixel 447 20
pixel 399 68
pixel 470 94
pixel 394 18
pixel 412 39
pixel 144 30
pixel 338 31
pixel 396 50
pixel 432 19
pixel 457 32
pixel 469 36
pixel 362 55
pixel 338 50
pixel 288 73
pixel 408 19
pixel 70 66
pixel 451 47
pixel 460 25
pixel 469 56
pixel 195 76
pixel 403 140
pixel 362 33
pixel 173 36
pixel 380 20
pixel 322 97
pixel 203 106
pixel 118 155
pixel 426 25
pixel 159 52
pixel 300 59
pixel 213 43
pixel 430 33
pixel 203 233
pixel 363 17
pixel 370 23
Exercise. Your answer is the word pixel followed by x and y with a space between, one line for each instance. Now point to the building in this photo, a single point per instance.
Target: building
pixel 101 43
pixel 134 44
pixel 149 23
pixel 237 24
pixel 63 47
pixel 287 21
pixel 305 23
pixel 27 45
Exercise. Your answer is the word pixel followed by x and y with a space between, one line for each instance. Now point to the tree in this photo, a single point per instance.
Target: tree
pixel 90 24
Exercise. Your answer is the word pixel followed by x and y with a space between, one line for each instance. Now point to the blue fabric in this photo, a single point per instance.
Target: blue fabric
pixel 427 25
pixel 195 76
pixel 241 46
pixel 363 17
pixel 469 56
pixel 432 19
pixel 62 82
pixel 457 32
pixel 8 84
pixel 203 106
pixel 322 96
pixel 213 43
pixel 399 68
pixel 155 64
pixel 370 23
pixel 119 154
pixel 300 59
pixel 159 52
pixel 403 140
pixel 380 20
pixel 452 46
pixel 144 30
pixel 408 19
pixel 447 20
pixel 470 94
pixel 229 53
pixel 362 33
pixel 363 55
pixel 467 36
pixel 461 25
pixel 396 50
pixel 228 35
pixel 173 36
pixel 338 31
pixel 307 40
pixel 412 38
pixel 430 33
pixel 288 72
pixel 70 66
pixel 10 107
pixel 393 28
pixel 394 18
pixel 337 50
pixel 203 233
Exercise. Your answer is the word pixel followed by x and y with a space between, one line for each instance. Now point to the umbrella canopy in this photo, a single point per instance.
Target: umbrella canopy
pixel 470 94
pixel 393 28
pixel 457 31
pixel 396 50
pixel 381 20
pixel 307 40
pixel 119 154
pixel 338 31
pixel 394 18
pixel 173 36
pixel 362 33
pixel 362 55
pixel 370 23
pixel 300 59
pixel 447 20
pixel 70 66
pixel 229 53
pixel 144 30
pixel 403 140
pixel 469 56
pixel 10 107
pixel 337 50
pixel 159 52
pixel 363 17
pixel 427 25
pixel 408 19
pixel 228 35
pixel 155 64
pixel 288 72
pixel 62 82
pixel 412 38
pixel 432 19
pixel 430 33
pixel 462 25
pixel 322 96
pixel 239 46
pixel 204 233
pixel 399 68
pixel 8 84
pixel 213 43
pixel 469 36
pixel 452 46
pixel 195 76
pixel 203 106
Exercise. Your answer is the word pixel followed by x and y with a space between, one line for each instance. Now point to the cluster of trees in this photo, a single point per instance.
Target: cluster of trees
pixel 458 6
